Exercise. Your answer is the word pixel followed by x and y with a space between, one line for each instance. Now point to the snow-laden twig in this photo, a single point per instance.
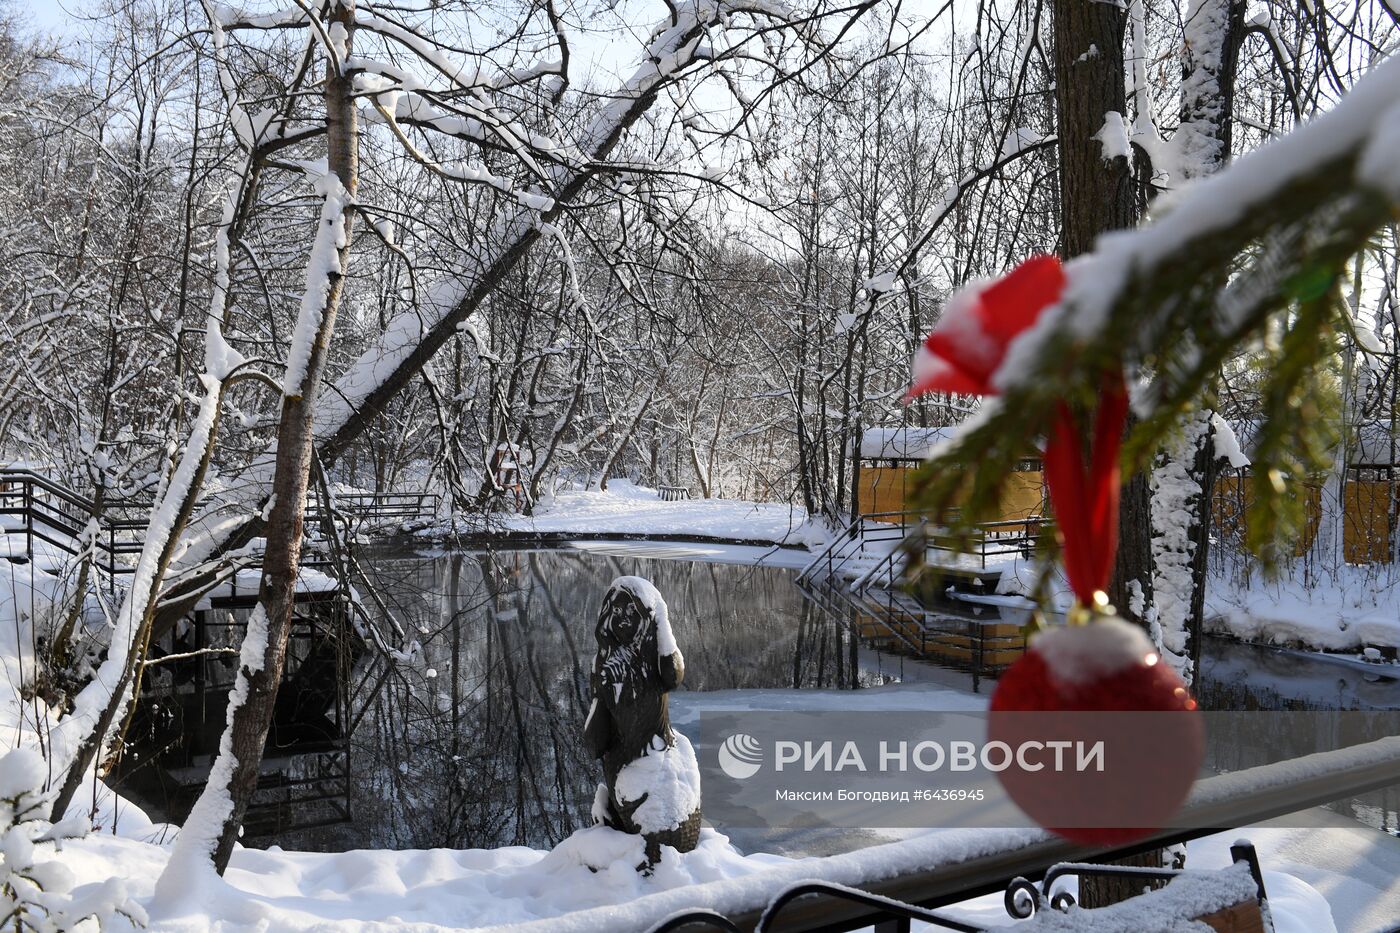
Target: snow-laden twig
pixel 411 338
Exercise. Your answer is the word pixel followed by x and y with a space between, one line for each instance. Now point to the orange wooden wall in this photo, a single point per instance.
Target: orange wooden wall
pixel 1366 530
pixel 886 489
pixel 1365 533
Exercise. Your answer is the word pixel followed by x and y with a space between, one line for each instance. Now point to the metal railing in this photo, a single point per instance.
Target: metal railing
pixel 47 512
pixel 51 513
pixel 912 530
pixel 874 527
pixel 861 571
pixel 1216 804
pixel 377 507
pixel 1022 899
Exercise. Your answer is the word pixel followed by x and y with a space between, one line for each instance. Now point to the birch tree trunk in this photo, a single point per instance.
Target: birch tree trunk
pixel 213 825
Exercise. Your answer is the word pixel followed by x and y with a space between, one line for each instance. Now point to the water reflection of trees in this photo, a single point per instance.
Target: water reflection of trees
pixel 472 740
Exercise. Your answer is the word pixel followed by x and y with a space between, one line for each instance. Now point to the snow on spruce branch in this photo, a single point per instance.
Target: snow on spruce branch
pixel 1360 135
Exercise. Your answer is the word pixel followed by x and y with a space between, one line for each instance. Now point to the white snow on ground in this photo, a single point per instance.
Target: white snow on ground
pixel 429 890
pixel 1354 867
pixel 626 508
pixel 1349 610
pixel 788 558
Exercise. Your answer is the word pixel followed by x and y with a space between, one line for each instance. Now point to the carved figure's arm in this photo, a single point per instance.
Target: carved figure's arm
pixel 597 729
pixel 671 669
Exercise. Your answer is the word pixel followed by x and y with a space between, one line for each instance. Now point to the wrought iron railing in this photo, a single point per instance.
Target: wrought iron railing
pixel 1021 901
pixel 378 507
pixel 1216 804
pixel 911 530
pixel 47 512
pixel 863 572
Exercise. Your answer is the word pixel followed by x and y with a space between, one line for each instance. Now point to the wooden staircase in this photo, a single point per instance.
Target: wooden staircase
pixel 860 577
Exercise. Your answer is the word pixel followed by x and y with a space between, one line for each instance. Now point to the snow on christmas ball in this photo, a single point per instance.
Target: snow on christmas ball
pixel 1115 740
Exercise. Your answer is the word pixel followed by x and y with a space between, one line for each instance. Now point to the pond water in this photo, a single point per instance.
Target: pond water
pixel 475 741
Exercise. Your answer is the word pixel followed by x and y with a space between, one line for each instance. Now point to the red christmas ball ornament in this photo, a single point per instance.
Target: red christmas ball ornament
pixel 1127 736
pixel 1107 737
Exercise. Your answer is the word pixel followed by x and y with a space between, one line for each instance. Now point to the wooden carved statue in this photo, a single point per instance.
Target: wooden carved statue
pixel 652 782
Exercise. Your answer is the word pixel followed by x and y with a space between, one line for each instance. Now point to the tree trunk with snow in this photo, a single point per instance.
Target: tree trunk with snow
pixel 1097 195
pixel 78 737
pixel 1184 480
pixel 213 825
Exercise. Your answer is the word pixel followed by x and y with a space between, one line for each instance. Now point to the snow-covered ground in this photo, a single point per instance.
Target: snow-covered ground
pixel 1348 610
pixel 744 555
pixel 1352 867
pixel 1314 876
pixel 628 509
pixel 559 890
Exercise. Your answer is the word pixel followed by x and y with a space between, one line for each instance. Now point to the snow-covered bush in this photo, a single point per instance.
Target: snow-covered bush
pixel 41 894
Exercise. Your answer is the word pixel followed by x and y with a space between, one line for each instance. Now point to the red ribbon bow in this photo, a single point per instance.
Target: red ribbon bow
pixel 962 355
